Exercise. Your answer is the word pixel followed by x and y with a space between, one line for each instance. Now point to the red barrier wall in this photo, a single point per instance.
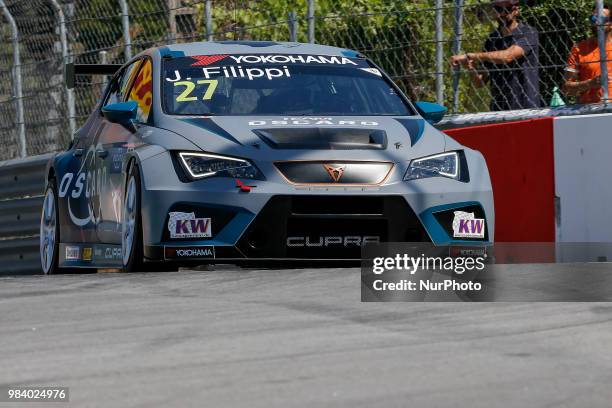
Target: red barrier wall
pixel 520 158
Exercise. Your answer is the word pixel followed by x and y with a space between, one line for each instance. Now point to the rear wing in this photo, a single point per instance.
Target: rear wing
pixel 72 70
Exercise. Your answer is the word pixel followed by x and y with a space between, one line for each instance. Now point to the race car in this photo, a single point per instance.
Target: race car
pixel 222 151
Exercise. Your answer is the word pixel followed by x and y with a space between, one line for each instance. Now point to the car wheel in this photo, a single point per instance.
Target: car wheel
pixel 131 234
pixel 131 231
pixel 49 230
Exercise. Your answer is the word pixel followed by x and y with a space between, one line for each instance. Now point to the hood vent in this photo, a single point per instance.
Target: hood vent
pixel 324 138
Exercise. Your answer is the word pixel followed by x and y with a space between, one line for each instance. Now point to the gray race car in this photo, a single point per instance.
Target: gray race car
pixel 233 151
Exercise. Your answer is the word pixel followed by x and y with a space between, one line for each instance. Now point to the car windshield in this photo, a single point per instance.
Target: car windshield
pixel 277 85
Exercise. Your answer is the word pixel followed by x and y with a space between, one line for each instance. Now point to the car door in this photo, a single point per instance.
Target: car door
pixel 110 147
pixel 76 215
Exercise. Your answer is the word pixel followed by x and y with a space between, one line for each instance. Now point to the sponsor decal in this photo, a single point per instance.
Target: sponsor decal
pixel 87 254
pixel 117 155
pixel 73 253
pixel 244 188
pixel 142 91
pixel 468 252
pixel 105 254
pixel 66 184
pixel 113 253
pixel 204 60
pixel 186 225
pixel 306 121
pixel 200 252
pixel 372 71
pixel 237 66
pixel 331 241
pixel 335 172
pixel 465 225
pixel 238 72
pixel 75 186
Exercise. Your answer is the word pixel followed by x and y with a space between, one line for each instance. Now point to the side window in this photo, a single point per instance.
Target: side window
pixel 120 84
pixel 114 94
pixel 142 91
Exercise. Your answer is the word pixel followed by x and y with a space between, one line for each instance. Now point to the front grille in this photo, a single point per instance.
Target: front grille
pixel 328 227
pixel 339 173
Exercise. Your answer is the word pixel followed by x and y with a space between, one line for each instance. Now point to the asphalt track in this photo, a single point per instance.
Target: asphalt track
pixel 293 338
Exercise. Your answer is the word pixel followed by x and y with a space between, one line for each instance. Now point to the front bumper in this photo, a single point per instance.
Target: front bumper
pixel 277 220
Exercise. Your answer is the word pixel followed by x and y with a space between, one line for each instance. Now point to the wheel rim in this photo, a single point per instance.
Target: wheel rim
pixel 47 232
pixel 129 221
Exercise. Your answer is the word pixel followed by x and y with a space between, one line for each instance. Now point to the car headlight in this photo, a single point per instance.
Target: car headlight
pixel 439 165
pixel 202 165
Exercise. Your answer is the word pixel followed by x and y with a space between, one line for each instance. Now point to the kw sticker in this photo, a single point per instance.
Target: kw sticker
pixel 465 225
pixel 186 225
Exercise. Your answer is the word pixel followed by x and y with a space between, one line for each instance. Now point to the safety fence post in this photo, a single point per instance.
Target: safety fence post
pixel 311 21
pixel 17 86
pixel 292 26
pixel 66 59
pixel 458 34
pixel 603 60
pixel 439 52
pixel 125 23
pixel 209 20
pixel 103 58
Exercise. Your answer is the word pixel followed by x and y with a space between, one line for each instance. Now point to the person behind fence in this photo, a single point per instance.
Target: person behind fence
pixel 510 60
pixel 583 71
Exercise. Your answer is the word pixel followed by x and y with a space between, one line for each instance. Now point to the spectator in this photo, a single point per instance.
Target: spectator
pixel 510 59
pixel 583 71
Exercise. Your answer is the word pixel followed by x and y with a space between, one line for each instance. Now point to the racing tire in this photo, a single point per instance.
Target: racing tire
pixel 49 230
pixel 131 230
pixel 50 234
pixel 131 225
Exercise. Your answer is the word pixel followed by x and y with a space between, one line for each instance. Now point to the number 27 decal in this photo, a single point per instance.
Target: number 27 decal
pixel 185 96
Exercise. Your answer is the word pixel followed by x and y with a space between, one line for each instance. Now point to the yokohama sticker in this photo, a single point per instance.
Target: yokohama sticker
pixel 201 252
pixel 205 60
pixel 466 226
pixel 186 225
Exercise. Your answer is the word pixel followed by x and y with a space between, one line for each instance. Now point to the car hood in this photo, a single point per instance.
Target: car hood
pixel 364 138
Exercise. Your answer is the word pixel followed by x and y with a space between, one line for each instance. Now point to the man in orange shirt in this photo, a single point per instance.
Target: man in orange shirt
pixel 583 71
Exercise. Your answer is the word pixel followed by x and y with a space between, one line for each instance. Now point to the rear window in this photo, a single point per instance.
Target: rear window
pixel 277 85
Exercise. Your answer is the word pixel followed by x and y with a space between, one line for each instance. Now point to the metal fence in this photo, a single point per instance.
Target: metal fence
pixel 411 39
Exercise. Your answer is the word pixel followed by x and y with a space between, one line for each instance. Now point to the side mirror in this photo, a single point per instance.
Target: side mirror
pixel 122 113
pixel 431 112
